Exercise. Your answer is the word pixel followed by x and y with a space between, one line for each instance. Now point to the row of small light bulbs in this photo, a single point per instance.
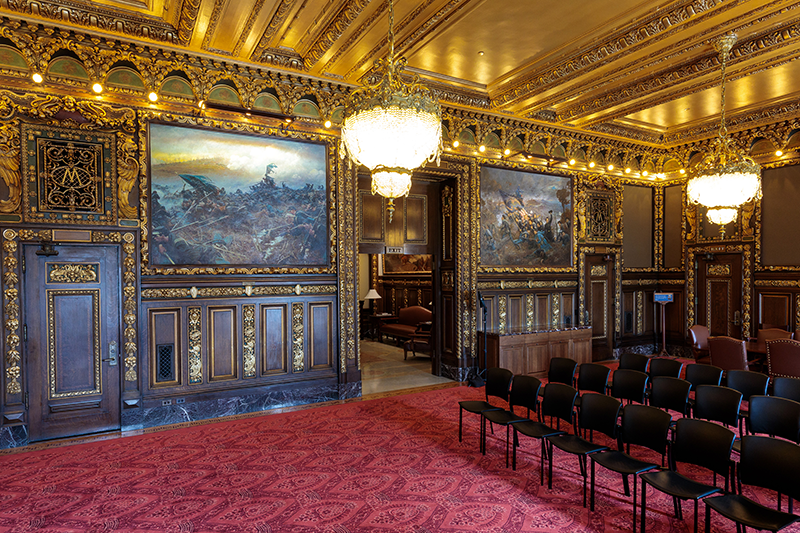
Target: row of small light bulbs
pixel 97 87
pixel 572 162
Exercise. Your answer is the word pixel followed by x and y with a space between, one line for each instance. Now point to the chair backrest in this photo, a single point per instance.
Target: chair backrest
pixel 498 383
pixel 783 358
pixel 645 426
pixel 559 401
pixel 600 413
pixel 748 383
pixel 593 377
pixel 629 385
pixel 771 415
pixel 771 464
pixel 704 444
pixel 698 374
pixel 525 392
pixel 634 361
pixel 670 393
pixel 786 388
pixel 728 353
pixel 765 335
pixel 665 367
pixel 721 404
pixel 562 370
pixel 698 336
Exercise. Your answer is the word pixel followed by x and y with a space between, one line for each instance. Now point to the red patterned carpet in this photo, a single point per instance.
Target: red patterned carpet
pixel 393 464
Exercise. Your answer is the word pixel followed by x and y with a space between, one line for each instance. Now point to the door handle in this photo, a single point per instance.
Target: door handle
pixel 736 318
pixel 112 354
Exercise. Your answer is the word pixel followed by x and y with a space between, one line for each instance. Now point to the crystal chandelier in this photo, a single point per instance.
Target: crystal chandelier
pixel 726 178
pixel 392 127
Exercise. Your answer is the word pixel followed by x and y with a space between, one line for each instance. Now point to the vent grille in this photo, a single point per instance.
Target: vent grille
pixel 165 363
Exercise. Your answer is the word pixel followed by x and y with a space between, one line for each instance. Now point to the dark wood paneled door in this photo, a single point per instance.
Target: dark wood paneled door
pixel 719 293
pixel 600 295
pixel 72 319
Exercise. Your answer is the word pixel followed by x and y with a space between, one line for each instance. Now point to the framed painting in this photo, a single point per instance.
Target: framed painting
pixel 526 220
pixel 232 199
pixel 407 263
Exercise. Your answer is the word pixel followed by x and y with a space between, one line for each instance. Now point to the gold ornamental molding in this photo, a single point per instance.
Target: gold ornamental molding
pixel 72 273
pixel 637 282
pixel 11 308
pixel 555 308
pixel 526 284
pixel 777 283
pixel 249 340
pixel 598 270
pixel 181 293
pixel 530 311
pixel 345 249
pixel 639 312
pixel 718 270
pixel 502 313
pixel 129 305
pixel 298 341
pixel 53 356
pixel 195 333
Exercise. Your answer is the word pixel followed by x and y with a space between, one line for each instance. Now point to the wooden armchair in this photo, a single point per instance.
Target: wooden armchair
pixel 698 338
pixel 421 340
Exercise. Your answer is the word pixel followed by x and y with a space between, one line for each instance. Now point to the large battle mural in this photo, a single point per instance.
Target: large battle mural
pixel 526 219
pixel 221 198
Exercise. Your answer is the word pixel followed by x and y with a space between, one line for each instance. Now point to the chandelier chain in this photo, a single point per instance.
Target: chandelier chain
pixel 723 128
pixel 391 30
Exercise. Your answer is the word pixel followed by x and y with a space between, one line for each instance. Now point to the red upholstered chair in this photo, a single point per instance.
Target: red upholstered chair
pixel 764 335
pixel 728 353
pixel 783 358
pixel 698 337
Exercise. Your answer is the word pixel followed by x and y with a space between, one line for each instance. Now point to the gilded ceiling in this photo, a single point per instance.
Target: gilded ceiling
pixel 637 69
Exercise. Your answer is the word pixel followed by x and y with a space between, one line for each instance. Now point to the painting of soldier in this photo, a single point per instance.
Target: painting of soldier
pixel 526 219
pixel 220 198
pixel 407 263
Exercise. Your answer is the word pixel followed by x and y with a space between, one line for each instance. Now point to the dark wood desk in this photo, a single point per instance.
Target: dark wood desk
pixel 375 323
pixel 529 351
pixel 756 354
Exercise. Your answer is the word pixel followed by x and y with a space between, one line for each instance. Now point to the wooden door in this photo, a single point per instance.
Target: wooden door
pixel 719 293
pixel 600 295
pixel 72 315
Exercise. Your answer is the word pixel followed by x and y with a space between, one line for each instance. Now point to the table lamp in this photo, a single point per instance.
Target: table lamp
pixel 371 295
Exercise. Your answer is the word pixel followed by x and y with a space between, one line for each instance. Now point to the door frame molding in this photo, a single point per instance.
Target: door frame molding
pixel 746 250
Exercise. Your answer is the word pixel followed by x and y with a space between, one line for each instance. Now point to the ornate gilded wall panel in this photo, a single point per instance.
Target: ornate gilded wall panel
pixel 249 340
pixel 11 308
pixel 72 272
pixel 639 312
pixel 195 345
pixel 502 313
pixel 556 310
pixel 298 338
pixel 129 306
pixel 55 390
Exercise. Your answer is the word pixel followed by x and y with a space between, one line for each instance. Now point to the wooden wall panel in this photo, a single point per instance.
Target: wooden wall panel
pixel 371 215
pixel 222 343
pixel 449 324
pixel 637 218
pixel 542 309
pixel 416 219
pixel 274 348
pixel 516 311
pixel 321 335
pixel 164 326
pixel 568 308
pixel 628 312
pixel 779 213
pixel 774 309
pixel 673 226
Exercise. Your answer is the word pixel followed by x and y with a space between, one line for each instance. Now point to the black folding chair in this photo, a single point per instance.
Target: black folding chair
pixel 768 463
pixel 749 384
pixel 670 393
pixel 559 403
pixel 524 393
pixel 694 442
pixel 670 368
pixel 641 425
pixel 773 416
pixel 598 413
pixel 720 404
pixel 629 385
pixel 786 388
pixel 592 377
pixel 498 385
pixel 699 374
pixel 633 361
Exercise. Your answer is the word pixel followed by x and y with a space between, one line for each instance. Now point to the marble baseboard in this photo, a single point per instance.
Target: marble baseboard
pixel 456 373
pixel 349 390
pixel 650 349
pixel 228 406
pixel 13 437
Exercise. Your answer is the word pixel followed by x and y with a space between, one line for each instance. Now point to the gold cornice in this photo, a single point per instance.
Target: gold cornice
pixel 335 28
pixel 275 22
pixel 356 35
pixel 213 21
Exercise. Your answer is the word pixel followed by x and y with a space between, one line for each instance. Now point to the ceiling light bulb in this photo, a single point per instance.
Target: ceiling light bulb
pixel 591 164
pixel 645 173
pixel 37 77
pixel 779 153
pixel 328 123
pixel 682 171
pixel 153 96
pixel 481 53
pixel 97 88
pixel 628 170
pixel 482 148
pixel 610 167
pixel 507 151
pixel 571 161
pixel 201 104
pixel 456 143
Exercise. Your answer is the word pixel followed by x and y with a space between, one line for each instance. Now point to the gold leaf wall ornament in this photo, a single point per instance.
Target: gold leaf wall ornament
pixel 555 299
pixel 72 273
pixel 127 173
pixel 129 299
pixel 598 270
pixel 195 344
pixel 11 308
pixel 502 313
pixel 249 341
pixel 298 341
pixel 718 270
pixel 9 165
pixel 639 312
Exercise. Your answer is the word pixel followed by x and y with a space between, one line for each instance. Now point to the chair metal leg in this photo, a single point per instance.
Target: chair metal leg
pixel 550 462
pixel 591 507
pixel 508 432
pixel 582 463
pixel 696 509
pixel 634 502
pixel 625 485
pixel 644 506
pixel 460 421
pixel 708 518
pixel 514 451
pixel 541 463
